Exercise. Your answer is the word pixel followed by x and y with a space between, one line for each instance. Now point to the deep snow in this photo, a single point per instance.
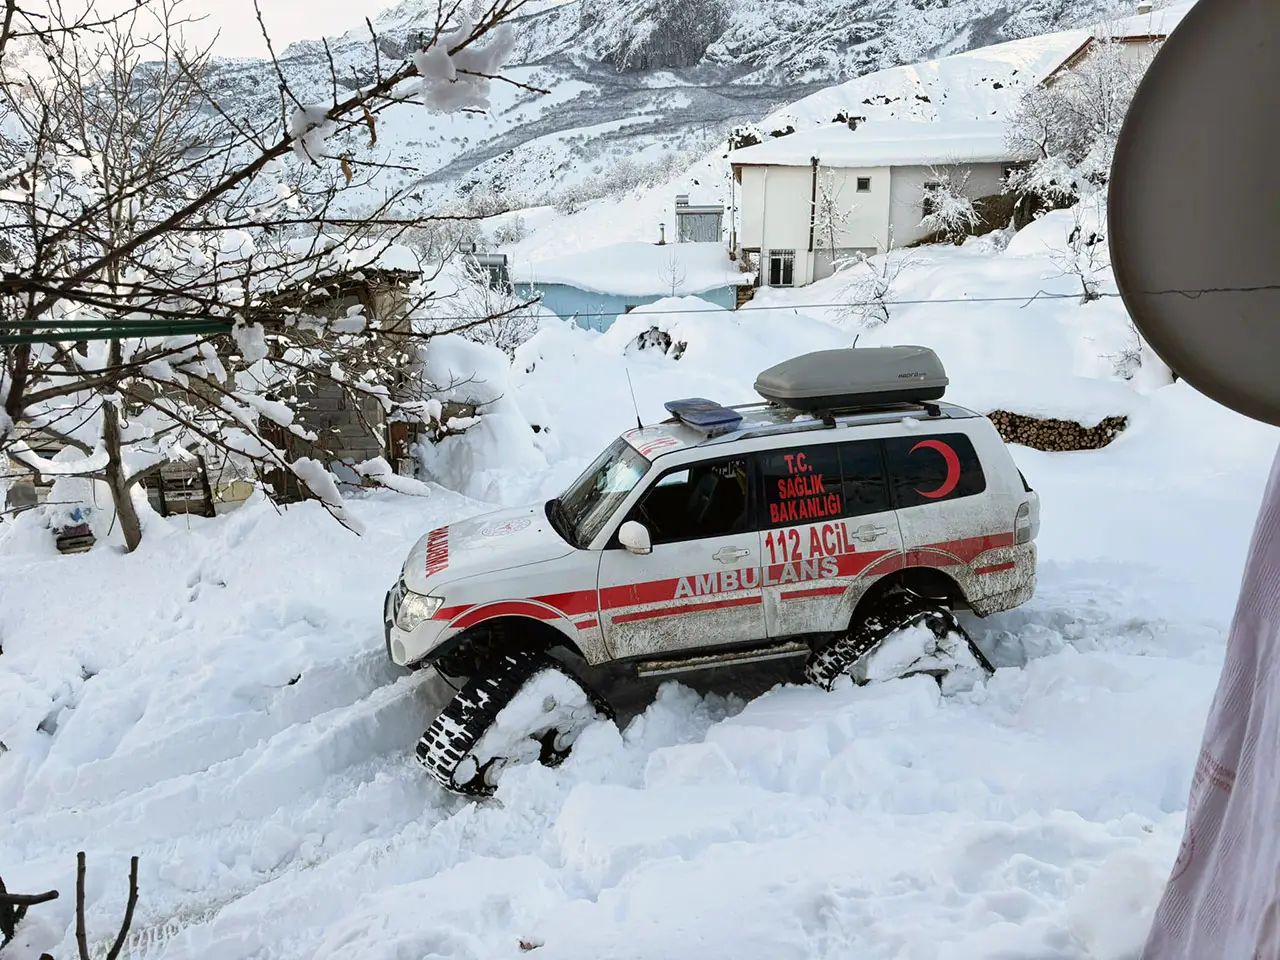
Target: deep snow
pixel 220 705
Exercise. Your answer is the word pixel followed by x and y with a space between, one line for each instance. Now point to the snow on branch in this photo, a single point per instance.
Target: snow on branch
pixel 324 485
pixel 95 463
pixel 379 471
pixel 455 75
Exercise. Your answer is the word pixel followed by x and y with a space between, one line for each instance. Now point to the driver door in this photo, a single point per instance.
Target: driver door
pixel 700 586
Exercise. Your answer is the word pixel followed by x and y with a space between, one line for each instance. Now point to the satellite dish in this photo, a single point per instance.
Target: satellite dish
pixel 1194 218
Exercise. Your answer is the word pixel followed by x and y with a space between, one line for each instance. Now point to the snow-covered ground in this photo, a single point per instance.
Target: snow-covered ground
pixel 220 704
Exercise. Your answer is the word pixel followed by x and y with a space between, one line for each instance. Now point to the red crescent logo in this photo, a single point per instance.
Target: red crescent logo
pixel 953 468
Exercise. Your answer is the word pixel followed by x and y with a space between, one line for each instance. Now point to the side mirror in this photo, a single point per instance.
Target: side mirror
pixel 635 538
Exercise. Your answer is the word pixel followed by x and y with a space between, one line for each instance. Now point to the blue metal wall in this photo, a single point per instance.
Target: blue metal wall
pixel 597 311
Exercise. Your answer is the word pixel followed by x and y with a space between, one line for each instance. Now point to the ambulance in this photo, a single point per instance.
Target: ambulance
pixel 843 521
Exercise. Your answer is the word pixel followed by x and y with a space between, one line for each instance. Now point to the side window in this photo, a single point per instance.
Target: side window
pixel 800 485
pixel 696 502
pixel 932 469
pixel 862 467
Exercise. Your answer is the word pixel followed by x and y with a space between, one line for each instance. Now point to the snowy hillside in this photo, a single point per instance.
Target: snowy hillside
pixel 643 85
pixel 978 85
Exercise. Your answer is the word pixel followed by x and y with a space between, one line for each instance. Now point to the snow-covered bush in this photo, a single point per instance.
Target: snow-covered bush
pixel 948 211
pixel 655 338
pixel 511 231
pixel 869 292
pixel 624 176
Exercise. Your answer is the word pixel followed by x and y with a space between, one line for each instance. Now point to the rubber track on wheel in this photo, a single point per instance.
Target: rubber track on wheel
pixel 468 715
pixel 829 663
pixel 465 718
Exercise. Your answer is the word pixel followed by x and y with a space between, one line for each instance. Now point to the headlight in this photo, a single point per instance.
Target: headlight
pixel 415 608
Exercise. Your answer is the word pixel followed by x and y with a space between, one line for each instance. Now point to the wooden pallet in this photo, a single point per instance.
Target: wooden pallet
pixel 181 488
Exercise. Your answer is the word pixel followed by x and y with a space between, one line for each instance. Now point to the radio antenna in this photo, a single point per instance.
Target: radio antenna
pixel 634 405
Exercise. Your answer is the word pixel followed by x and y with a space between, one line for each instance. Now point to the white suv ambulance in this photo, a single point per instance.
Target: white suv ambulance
pixel 843 521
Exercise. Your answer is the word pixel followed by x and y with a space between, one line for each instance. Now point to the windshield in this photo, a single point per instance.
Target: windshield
pixel 594 497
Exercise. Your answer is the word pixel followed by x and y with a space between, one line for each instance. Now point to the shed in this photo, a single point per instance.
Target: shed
pixel 593 287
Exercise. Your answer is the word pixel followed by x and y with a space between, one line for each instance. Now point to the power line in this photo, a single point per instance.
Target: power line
pixel 143 328
pixel 1190 293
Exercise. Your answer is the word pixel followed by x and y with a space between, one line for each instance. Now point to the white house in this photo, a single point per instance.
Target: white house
pixel 876 175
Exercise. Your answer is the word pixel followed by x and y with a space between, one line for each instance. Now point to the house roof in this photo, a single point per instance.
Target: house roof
pixel 1155 23
pixel 638 269
pixel 885 143
pixel 1150 27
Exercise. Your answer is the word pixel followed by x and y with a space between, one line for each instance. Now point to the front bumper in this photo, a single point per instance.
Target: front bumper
pixel 407 648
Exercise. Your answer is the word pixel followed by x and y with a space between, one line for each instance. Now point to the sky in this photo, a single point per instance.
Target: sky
pixel 234 24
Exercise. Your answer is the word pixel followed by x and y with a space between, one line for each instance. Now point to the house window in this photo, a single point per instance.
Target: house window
pixel 929 200
pixel 498 276
pixel 782 268
pixel 864 185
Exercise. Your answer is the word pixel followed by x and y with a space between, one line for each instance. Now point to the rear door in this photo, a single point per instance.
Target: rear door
pixel 939 489
pixel 827 525
pixel 700 586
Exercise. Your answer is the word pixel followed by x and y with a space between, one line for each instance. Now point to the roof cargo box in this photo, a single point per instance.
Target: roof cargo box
pixel 851 378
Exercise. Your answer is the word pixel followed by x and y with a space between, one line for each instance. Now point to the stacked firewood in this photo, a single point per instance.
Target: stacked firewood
pixel 1055 435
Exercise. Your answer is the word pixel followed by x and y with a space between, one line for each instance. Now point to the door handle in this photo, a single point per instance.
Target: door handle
pixel 867 532
pixel 730 554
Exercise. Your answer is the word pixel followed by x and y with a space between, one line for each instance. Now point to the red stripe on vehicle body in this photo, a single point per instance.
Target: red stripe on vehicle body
pixel 688 608
pixel 634 594
pixel 504 608
pixel 588 624
pixel 816 592
pixel 571 604
pixel 995 568
pixel 856 564
pixel 448 613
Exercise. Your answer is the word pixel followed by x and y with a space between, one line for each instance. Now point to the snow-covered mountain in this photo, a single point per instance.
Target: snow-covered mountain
pixel 651 84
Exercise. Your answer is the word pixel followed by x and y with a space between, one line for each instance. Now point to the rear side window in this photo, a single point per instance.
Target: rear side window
pixel 801 485
pixel 862 468
pixel 932 469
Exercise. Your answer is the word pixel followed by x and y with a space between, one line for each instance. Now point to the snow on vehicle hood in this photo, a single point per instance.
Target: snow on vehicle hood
pixel 484 544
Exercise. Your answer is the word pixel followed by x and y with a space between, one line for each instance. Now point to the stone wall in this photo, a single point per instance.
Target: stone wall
pixel 1055 435
pixel 347 433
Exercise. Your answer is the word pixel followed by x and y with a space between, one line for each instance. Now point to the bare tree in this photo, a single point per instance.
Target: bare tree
pixel 178 276
pixel 830 214
pixel 1086 256
pixel 872 282
pixel 507 318
pixel 13 909
pixel 1070 123
pixel 672 273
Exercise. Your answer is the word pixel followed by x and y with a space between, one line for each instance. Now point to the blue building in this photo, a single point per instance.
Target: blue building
pixel 594 287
